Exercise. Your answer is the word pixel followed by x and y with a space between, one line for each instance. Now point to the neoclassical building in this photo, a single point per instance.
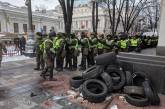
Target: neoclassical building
pixel 14 19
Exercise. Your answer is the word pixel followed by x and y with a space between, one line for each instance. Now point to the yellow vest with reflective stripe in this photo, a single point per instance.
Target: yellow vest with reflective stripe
pixel 57 44
pixel 134 42
pixel 123 44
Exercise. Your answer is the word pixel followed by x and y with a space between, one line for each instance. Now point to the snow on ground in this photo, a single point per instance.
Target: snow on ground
pixel 14 58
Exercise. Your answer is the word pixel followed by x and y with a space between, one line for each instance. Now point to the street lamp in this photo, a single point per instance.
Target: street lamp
pixel 30 39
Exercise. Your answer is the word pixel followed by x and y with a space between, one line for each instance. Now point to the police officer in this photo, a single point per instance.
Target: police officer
pixel 48 55
pixel 135 43
pixel 93 49
pixel 39 52
pixel 60 51
pixel 108 44
pixel 100 45
pixel 85 50
pixel 123 44
pixel 2 49
pixel 68 56
pixel 74 51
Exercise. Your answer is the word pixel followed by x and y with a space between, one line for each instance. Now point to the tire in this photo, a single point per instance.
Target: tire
pixel 136 90
pixel 121 74
pixel 139 78
pixel 106 59
pixel 148 91
pixel 129 79
pixel 116 80
pixel 94 90
pixel 108 81
pixel 76 82
pixel 151 94
pixel 112 68
pixel 156 100
pixel 92 72
pixel 137 100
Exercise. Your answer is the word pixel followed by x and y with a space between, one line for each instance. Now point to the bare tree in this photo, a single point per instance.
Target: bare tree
pixel 124 11
pixel 114 9
pixel 95 19
pixel 152 14
pixel 67 8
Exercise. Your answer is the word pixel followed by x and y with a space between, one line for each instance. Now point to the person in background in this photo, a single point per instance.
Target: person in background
pixel 2 49
pixel 22 43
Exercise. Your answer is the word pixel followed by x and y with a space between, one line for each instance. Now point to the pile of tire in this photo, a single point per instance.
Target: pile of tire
pixel 142 92
pixel 103 79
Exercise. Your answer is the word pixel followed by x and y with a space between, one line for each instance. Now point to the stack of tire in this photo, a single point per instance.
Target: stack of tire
pixel 107 77
pixel 141 93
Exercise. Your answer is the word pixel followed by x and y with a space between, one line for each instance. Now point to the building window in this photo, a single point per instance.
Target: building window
pixel 25 28
pixel 16 28
pixel 87 24
pixel 44 28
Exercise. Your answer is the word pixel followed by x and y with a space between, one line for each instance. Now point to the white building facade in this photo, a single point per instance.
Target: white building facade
pixel 15 20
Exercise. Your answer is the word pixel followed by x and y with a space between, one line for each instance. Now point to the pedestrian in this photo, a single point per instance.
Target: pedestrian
pixel 22 43
pixel 2 49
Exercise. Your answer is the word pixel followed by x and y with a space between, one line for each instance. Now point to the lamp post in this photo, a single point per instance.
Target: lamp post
pixel 30 39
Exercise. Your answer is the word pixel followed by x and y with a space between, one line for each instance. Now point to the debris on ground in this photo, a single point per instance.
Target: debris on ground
pixel 59 87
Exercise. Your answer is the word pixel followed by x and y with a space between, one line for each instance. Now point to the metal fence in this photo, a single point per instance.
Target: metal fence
pixel 12 50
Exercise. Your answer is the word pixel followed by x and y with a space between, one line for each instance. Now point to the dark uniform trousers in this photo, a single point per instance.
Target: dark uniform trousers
pixel 91 56
pixel 84 57
pixel 68 58
pixel 49 65
pixel 74 58
pixel 40 61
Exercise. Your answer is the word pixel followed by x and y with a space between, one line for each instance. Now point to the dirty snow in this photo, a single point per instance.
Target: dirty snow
pixel 14 58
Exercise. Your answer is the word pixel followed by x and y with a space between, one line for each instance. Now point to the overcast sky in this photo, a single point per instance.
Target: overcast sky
pixel 48 4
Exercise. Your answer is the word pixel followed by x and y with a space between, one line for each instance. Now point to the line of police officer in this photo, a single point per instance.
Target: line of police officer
pixel 57 48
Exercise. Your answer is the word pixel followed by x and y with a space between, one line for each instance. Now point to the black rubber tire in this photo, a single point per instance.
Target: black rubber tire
pixel 76 82
pixel 129 79
pixel 92 72
pixel 139 78
pixel 122 79
pixel 136 90
pixel 108 81
pixel 94 90
pixel 150 93
pixel 106 59
pixel 139 102
pixel 111 68
pixel 116 79
pixel 156 100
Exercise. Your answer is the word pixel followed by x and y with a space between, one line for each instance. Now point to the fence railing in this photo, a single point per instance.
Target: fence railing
pixel 12 50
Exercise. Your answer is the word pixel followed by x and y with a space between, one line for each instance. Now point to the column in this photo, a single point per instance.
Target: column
pixel 161 42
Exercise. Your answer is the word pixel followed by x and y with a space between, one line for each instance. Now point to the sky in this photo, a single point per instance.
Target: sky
pixel 48 4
